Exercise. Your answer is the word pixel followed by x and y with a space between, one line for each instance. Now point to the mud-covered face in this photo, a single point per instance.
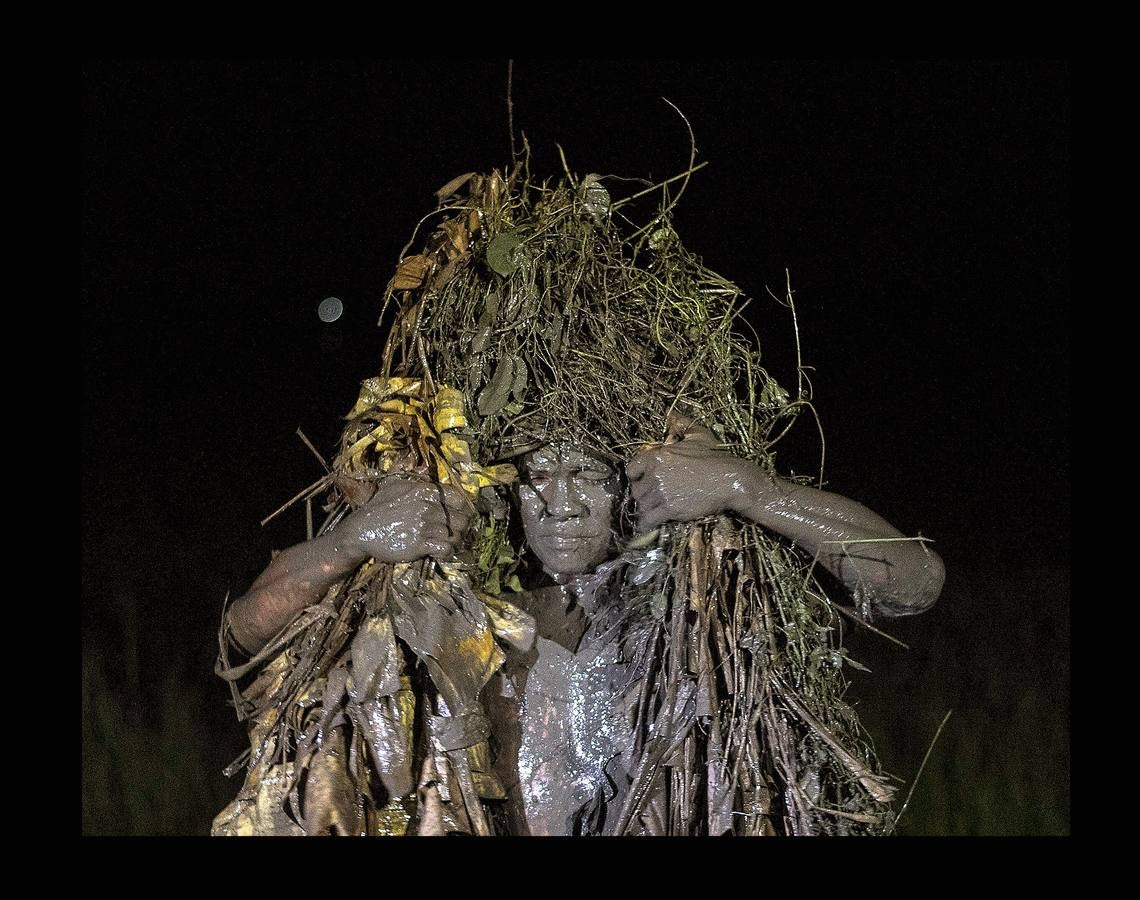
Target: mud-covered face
pixel 566 500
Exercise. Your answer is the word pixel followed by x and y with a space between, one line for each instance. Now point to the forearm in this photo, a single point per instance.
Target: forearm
pixel 405 520
pixel 857 546
pixel 296 578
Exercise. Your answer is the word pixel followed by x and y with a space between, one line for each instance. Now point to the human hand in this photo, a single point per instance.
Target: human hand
pixel 406 520
pixel 688 477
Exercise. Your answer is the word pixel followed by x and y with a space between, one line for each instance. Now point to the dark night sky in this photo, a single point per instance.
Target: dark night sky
pixel 921 208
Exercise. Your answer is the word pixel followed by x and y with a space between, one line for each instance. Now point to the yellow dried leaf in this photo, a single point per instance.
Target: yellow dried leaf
pixel 510 624
pixel 260 808
pixel 403 407
pixel 482 652
pixel 504 473
pixel 374 390
pixel 406 387
pixel 369 391
pixel 422 445
pixel 448 410
pixel 380 436
pixel 473 479
pixel 454 449
pixel 471 482
pixel 356 452
pixel 450 570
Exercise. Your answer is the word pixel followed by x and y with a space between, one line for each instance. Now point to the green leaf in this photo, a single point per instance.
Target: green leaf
pixel 502 255
pixel 491 585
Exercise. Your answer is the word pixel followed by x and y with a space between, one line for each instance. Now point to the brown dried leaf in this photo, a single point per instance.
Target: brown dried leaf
pixel 411 272
pixel 375 660
pixel 456 232
pixel 452 186
pixel 444 275
pixel 495 188
pixel 330 796
pixel 387 727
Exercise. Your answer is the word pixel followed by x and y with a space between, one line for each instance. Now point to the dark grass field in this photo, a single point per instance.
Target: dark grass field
pixel 154 747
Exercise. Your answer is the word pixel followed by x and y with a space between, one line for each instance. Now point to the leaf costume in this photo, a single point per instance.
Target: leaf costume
pixel 699 676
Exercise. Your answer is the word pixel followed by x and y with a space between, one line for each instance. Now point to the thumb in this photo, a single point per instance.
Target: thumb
pixel 682 428
pixel 676 424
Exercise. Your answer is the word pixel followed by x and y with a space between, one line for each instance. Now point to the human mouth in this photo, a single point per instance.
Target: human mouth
pixel 565 542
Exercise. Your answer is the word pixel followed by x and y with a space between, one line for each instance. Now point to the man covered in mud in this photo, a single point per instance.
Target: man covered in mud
pixel 561 737
pixel 635 642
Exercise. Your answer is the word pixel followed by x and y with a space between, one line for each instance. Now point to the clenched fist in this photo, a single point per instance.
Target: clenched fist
pixel 687 478
pixel 406 520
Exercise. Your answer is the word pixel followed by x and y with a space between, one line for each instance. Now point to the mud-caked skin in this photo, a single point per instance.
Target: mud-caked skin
pixel 567 501
pixel 691 478
pixel 404 521
pixel 571 739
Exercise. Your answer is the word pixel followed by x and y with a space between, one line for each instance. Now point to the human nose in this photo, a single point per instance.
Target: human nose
pixel 560 500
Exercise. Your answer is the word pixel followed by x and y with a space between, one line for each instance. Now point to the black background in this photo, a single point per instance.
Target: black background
pixel 922 210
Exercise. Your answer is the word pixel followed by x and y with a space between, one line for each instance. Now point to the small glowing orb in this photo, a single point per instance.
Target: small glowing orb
pixel 330 309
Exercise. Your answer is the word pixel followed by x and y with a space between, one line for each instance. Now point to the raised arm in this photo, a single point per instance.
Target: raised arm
pixel 404 521
pixel 692 478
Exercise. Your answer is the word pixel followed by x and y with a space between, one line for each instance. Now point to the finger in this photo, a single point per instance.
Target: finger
pixel 459 517
pixel 439 495
pixel 438 549
pixel 700 434
pixel 635 468
pixel 449 504
pixel 642 490
pixel 437 531
pixel 650 519
pixel 442 522
pixel 676 424
pixel 648 495
pixel 453 495
pixel 458 526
